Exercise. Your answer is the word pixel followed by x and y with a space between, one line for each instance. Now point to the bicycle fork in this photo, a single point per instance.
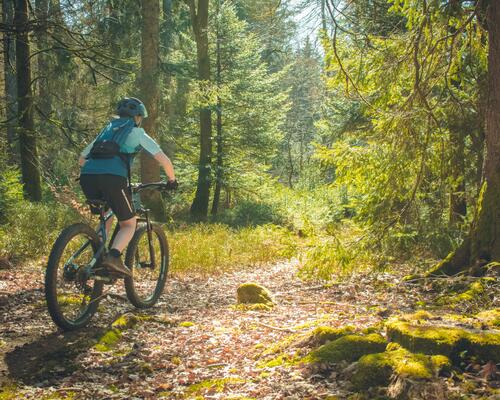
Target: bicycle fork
pixel 149 231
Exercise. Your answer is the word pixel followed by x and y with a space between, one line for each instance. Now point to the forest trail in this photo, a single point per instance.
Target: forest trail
pixel 193 344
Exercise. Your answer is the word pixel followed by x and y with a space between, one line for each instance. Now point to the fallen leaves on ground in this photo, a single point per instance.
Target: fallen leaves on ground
pixel 196 345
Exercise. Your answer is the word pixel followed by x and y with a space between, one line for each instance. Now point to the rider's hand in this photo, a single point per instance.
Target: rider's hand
pixel 172 185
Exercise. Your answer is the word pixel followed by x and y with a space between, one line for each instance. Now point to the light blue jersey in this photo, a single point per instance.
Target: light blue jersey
pixel 134 142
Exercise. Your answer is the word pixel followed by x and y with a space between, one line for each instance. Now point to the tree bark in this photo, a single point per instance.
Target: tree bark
pixel 43 78
pixel 27 137
pixel 149 84
pixel 458 204
pixel 9 60
pixel 483 242
pixel 199 20
pixel 219 172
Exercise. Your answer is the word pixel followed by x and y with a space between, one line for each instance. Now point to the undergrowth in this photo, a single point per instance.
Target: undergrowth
pixel 212 248
pixel 32 228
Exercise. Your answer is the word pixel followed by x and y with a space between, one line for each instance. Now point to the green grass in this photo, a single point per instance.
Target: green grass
pixel 32 229
pixel 213 248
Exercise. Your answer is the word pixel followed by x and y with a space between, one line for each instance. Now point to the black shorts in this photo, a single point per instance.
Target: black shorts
pixel 111 188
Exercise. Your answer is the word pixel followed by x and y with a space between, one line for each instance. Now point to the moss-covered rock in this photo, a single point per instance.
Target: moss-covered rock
pixel 347 348
pixel 490 318
pixel 324 334
pixel 445 340
pixel 377 369
pixel 420 315
pixel 252 293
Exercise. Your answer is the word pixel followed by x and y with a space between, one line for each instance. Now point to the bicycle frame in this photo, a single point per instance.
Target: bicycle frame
pixel 103 238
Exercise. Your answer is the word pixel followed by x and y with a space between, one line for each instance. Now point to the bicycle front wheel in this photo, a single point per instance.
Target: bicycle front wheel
pixel 69 293
pixel 147 258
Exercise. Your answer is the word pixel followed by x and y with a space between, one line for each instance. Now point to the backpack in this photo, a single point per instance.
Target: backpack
pixel 110 148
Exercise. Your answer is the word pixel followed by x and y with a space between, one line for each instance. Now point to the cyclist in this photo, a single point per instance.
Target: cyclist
pixel 105 171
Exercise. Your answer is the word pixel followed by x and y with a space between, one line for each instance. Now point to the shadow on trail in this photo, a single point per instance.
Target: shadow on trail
pixel 20 297
pixel 50 356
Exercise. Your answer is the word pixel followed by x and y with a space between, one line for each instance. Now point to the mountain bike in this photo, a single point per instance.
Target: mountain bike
pixel 74 279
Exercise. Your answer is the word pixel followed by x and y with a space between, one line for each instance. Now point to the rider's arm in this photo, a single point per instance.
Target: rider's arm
pixel 148 144
pixel 85 153
pixel 166 164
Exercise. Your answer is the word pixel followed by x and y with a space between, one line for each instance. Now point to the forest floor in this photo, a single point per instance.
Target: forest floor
pixel 195 344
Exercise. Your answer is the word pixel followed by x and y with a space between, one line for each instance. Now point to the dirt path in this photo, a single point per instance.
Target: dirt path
pixel 192 344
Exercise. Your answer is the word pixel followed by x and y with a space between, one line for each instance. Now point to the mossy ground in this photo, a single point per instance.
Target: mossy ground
pixel 159 348
pixel 438 338
pixel 9 391
pixel 473 292
pixel 489 318
pixel 324 334
pixel 217 385
pixel 347 348
pixel 253 307
pixel 313 338
pixel 112 337
pixel 377 369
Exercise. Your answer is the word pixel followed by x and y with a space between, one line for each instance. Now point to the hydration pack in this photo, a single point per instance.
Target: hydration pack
pixel 110 148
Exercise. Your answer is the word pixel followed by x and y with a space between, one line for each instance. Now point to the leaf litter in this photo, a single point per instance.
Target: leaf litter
pixel 194 344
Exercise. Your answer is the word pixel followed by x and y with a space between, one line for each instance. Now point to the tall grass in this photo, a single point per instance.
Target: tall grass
pixel 213 248
pixel 32 228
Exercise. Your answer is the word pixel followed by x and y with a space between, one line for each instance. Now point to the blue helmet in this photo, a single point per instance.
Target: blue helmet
pixel 130 107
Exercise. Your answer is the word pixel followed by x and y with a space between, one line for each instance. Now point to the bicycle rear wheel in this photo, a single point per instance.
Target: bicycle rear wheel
pixel 148 277
pixel 69 293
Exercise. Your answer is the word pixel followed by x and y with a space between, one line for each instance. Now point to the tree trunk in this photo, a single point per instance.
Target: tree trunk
pixel 219 172
pixel 483 243
pixel 290 161
pixel 199 19
pixel 9 60
pixel 323 16
pixel 149 86
pixel 458 204
pixel 27 136
pixel 43 79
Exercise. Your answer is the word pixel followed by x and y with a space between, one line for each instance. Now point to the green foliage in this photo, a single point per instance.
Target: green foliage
pixel 32 228
pixel 215 248
pixel 251 213
pixel 11 192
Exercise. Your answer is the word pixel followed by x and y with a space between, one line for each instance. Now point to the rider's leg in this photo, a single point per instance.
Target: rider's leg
pixel 124 235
